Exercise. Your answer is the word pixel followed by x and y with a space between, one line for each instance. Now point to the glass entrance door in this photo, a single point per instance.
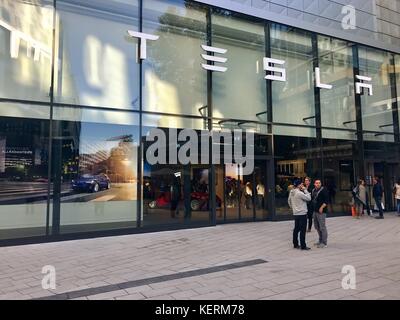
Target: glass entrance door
pixel 246 197
pixel 242 197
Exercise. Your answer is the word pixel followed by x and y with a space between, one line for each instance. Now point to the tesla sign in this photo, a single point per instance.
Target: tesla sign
pixel 275 69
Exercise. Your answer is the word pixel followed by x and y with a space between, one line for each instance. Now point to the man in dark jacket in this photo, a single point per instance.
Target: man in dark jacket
pixel 320 201
pixel 310 211
pixel 377 193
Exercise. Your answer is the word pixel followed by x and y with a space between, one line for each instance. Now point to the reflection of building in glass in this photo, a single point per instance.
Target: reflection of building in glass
pixel 19 157
pixel 2 155
pixel 22 154
pixel 115 157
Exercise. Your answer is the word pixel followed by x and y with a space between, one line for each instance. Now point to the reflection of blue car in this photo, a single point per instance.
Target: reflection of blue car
pixel 90 183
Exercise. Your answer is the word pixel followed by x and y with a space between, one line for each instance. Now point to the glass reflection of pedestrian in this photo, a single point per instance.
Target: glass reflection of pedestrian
pixel 175 190
pixel 377 193
pixel 260 195
pixel 332 192
pixel 229 193
pixel 248 193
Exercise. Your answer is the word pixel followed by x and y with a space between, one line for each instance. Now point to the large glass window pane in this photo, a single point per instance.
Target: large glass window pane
pixel 244 194
pixel 25 49
pixel 240 92
pixel 293 100
pixel 95 161
pixel 382 161
pixel 24 159
pixel 96 59
pixel 377 108
pixel 340 168
pixel 174 81
pixel 174 192
pixel 336 65
pixel 295 158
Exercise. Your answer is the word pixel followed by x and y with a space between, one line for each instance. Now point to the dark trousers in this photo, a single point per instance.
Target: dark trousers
pixel 260 202
pixel 247 202
pixel 300 226
pixel 378 202
pixel 310 217
pixel 174 208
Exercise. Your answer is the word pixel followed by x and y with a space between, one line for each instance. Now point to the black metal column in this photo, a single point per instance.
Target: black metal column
pixel 211 176
pixel 395 104
pixel 317 104
pixel 360 137
pixel 270 164
pixel 140 156
pixel 56 176
pixel 51 94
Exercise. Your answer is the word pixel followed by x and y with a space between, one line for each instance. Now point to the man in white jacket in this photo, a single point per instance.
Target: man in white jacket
pixel 298 199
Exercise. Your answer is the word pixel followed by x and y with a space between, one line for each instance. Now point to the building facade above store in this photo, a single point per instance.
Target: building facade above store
pixel 371 22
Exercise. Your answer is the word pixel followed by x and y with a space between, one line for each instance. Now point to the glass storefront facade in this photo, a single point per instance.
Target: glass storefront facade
pixel 77 101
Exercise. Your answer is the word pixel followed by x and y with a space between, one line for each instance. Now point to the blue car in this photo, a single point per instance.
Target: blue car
pixel 91 183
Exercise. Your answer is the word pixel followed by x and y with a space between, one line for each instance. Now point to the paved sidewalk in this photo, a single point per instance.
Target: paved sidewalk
pixel 238 261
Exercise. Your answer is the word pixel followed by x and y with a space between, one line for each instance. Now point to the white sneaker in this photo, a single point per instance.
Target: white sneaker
pixel 322 246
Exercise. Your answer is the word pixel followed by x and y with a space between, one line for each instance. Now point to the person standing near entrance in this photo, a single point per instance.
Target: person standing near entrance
pixel 310 211
pixel 298 198
pixel 360 198
pixel 396 192
pixel 377 193
pixel 320 201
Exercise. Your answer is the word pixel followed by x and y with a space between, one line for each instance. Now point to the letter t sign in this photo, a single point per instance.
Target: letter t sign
pixel 143 42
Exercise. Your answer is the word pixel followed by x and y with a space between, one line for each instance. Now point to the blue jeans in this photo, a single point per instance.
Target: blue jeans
pixel 398 206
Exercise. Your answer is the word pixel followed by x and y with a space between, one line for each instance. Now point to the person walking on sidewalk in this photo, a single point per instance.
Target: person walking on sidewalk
pixel 377 193
pixel 298 198
pixel 396 192
pixel 320 200
pixel 310 211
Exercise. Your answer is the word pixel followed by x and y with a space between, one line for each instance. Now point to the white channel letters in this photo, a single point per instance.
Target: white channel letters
pixel 360 85
pixel 143 37
pixel 211 58
pixel 274 73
